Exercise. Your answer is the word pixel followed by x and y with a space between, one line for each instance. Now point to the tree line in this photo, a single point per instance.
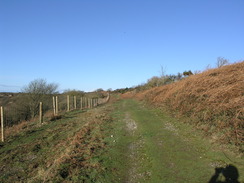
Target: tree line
pixel 165 79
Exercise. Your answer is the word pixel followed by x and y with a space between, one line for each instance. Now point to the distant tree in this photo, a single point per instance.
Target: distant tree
pixel 74 92
pixel 163 72
pixel 38 91
pixel 163 76
pixel 179 76
pixel 122 90
pixel 221 62
pixel 40 87
pixel 208 67
pixel 99 90
pixel 99 93
pixel 152 82
pixel 187 73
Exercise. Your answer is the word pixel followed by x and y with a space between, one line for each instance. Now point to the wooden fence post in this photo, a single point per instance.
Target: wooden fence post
pixel 84 102
pixel 93 102
pixel 108 97
pixel 2 132
pixel 89 103
pixel 74 102
pixel 68 103
pixel 81 103
pixel 56 105
pixel 40 113
pixel 54 110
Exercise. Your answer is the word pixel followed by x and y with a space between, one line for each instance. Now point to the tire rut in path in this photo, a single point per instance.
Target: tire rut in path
pixel 131 127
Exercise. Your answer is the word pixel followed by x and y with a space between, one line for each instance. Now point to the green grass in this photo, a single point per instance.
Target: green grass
pixel 26 153
pixel 116 156
pixel 70 149
pixel 167 150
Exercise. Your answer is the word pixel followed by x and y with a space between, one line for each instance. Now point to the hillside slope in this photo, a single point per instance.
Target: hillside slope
pixel 212 100
pixel 63 150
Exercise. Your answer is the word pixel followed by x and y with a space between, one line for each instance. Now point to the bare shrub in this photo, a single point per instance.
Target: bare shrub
pixel 221 62
pixel 38 91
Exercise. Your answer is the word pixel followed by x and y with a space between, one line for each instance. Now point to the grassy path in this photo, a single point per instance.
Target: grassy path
pixel 151 147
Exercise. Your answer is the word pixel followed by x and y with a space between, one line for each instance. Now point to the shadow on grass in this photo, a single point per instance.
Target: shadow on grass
pixel 230 173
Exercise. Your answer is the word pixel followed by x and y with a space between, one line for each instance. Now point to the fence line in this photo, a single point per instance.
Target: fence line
pixel 54 106
pixel 2 132
pixel 74 102
pixel 40 113
pixel 12 115
pixel 81 103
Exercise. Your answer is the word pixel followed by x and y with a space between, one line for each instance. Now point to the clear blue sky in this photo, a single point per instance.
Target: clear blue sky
pixel 90 44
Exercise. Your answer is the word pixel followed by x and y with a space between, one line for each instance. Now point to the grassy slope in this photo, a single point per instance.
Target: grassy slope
pixel 27 154
pixel 60 151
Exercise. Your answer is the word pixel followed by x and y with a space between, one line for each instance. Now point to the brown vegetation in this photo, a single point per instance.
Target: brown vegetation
pixel 77 161
pixel 64 150
pixel 213 100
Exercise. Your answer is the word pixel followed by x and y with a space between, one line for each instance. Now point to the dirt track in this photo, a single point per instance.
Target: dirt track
pixel 160 149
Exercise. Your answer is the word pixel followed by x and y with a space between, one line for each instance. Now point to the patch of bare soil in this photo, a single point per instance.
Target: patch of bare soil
pixel 133 173
pixel 171 128
pixel 130 124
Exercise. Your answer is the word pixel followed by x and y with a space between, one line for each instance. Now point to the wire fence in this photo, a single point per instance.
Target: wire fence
pixel 27 108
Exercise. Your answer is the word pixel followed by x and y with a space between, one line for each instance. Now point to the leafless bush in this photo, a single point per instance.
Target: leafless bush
pixel 221 62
